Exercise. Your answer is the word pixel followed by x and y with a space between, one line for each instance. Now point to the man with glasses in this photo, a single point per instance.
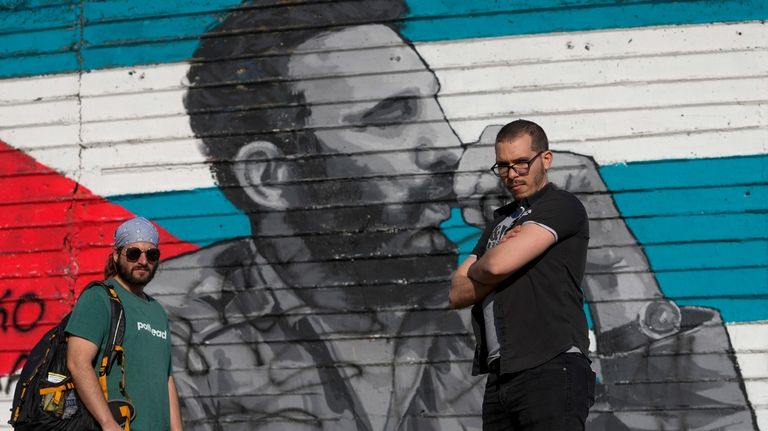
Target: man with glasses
pixel 523 279
pixel 147 340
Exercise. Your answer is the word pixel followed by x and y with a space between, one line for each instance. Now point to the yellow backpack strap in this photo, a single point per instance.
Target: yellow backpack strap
pixel 114 351
pixel 126 412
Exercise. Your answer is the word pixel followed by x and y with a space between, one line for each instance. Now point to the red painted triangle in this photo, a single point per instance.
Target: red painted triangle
pixel 55 236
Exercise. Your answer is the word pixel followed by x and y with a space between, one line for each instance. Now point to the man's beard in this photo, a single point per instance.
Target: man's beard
pixel 126 273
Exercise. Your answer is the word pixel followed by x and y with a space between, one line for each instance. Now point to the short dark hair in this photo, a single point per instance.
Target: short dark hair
pixel 539 141
pixel 238 88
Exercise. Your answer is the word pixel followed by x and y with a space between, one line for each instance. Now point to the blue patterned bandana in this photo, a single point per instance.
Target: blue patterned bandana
pixel 136 229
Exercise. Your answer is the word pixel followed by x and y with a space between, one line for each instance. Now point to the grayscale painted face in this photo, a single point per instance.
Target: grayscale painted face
pixel 375 106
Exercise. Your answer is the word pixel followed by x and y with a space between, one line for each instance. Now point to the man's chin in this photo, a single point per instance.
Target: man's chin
pixel 138 280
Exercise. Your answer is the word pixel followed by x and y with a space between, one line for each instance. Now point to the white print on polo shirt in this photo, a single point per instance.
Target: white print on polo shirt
pixel 505 225
pixel 147 327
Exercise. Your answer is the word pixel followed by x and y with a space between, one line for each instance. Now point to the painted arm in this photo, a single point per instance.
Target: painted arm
pixel 173 401
pixel 509 256
pixel 80 355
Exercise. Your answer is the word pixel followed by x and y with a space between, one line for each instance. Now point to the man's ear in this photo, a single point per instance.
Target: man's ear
pixel 260 167
pixel 547 158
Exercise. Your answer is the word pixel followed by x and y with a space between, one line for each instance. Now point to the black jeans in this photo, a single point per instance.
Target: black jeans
pixel 554 396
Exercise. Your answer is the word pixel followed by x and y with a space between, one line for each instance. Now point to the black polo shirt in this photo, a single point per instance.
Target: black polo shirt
pixel 538 309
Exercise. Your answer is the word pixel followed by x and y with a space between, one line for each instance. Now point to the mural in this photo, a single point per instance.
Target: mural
pixel 319 169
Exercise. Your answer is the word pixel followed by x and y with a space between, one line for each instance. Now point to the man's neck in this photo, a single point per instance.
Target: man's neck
pixel 136 290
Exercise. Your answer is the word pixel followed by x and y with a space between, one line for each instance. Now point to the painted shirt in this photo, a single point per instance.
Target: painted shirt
pixel 257 354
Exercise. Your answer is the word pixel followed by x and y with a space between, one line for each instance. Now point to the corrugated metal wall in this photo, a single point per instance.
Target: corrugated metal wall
pixel 319 168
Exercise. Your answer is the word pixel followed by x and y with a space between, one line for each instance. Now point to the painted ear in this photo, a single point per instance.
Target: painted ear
pixel 260 167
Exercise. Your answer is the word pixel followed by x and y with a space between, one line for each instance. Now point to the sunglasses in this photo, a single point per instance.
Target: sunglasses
pixel 134 253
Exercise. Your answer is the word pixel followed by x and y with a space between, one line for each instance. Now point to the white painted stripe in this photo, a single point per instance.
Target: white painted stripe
pixel 749 337
pixel 21 90
pixel 124 168
pixel 629 97
pixel 754 365
pixel 138 130
pixel 137 180
pixel 134 105
pixel 762 418
pixel 49 112
pixel 600 71
pixel 604 100
pixel 646 41
pixel 682 146
pixel 45 136
pixel 135 79
pixel 750 342
pixel 632 123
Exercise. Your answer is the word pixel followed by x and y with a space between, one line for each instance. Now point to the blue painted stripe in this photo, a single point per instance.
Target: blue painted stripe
pixel 201 216
pixel 122 9
pixel 112 22
pixel 40 18
pixel 720 227
pixel 131 32
pixel 734 310
pixel 716 172
pixel 704 235
pixel 132 55
pixel 16 6
pixel 708 255
pixel 33 65
pixel 715 282
pixel 712 200
pixel 38 42
pixel 567 18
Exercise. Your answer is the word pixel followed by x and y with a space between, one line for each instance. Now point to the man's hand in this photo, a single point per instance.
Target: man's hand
pixel 112 427
pixel 465 291
pixel 80 356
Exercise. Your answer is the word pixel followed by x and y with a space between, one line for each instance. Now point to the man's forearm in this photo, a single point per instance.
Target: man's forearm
pixel 173 404
pixel 510 255
pixel 89 390
pixel 479 273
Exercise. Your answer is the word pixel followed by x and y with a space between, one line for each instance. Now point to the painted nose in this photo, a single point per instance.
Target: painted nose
pixel 437 158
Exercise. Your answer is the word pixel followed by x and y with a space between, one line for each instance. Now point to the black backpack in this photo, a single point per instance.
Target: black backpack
pixel 45 397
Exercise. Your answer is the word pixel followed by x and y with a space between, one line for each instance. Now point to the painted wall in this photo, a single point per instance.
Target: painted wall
pixel 318 170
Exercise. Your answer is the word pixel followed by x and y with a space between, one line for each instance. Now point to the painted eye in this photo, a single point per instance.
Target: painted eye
pixel 392 110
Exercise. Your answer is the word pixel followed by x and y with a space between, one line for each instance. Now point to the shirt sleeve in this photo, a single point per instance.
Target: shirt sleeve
pixel 90 318
pixel 563 216
pixel 479 249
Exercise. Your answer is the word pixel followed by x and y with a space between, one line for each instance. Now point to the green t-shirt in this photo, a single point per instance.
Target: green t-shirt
pixel 147 346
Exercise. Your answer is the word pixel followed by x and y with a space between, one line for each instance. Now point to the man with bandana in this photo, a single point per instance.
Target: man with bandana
pixel 147 342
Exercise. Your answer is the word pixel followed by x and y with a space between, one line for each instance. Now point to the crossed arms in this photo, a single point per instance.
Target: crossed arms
pixel 475 278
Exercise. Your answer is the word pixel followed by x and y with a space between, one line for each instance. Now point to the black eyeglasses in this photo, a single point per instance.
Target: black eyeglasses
pixel 520 167
pixel 134 253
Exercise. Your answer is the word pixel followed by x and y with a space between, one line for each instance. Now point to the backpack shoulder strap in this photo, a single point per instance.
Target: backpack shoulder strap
pixel 113 348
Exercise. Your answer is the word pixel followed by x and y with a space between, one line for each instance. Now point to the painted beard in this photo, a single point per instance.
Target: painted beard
pixel 125 271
